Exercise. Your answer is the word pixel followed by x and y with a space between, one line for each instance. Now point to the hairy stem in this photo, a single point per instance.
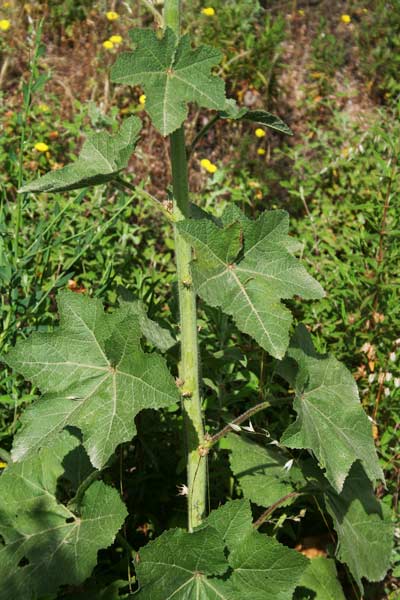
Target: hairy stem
pixel 210 441
pixel 189 363
pixel 267 513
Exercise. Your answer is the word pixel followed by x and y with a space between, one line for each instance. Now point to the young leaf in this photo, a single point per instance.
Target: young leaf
pixel 94 375
pixel 261 117
pixel 101 159
pixel 171 74
pixel 259 470
pixel 331 422
pixel 181 565
pixel 319 581
pixel 246 269
pixel 45 544
pixel 365 532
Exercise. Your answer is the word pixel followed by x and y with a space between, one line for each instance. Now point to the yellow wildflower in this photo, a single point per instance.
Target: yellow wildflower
pixel 261 151
pixel 112 15
pixel 41 147
pixel 260 133
pixel 5 24
pixel 108 45
pixel 2 464
pixel 116 39
pixel 142 99
pixel 208 165
pixel 345 19
pixel 6 5
pixel 208 11
pixel 301 13
pixel 43 107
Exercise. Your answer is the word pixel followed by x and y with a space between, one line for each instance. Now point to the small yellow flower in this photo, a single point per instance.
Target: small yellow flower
pixel 5 24
pixel 301 13
pixel 116 39
pixel 2 464
pixel 261 151
pixel 112 15
pixel 41 147
pixel 108 45
pixel 6 5
pixel 208 11
pixel 208 165
pixel 43 107
pixel 260 133
pixel 142 99
pixel 345 19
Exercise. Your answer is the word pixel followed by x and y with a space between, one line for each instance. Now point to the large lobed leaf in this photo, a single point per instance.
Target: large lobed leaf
pixel 363 525
pixel 247 268
pixel 224 560
pixel 331 422
pixel 171 74
pixel 94 376
pixel 46 544
pixel 102 157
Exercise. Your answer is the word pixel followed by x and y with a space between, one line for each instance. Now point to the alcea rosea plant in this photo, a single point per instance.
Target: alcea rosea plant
pixel 95 377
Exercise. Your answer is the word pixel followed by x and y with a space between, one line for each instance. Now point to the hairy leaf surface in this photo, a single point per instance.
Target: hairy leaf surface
pixel 319 581
pixel 171 74
pixel 259 470
pixel 331 422
pixel 185 565
pixel 45 543
pixel 247 268
pixel 102 157
pixel 181 565
pixel 94 376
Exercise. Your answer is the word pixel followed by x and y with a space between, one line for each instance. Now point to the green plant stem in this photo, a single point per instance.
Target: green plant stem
pixel 210 441
pixel 189 363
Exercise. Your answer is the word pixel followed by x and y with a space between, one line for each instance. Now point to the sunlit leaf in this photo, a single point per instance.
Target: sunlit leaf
pixel 46 544
pixel 94 376
pixel 171 74
pixel 101 159
pixel 261 117
pixel 225 559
